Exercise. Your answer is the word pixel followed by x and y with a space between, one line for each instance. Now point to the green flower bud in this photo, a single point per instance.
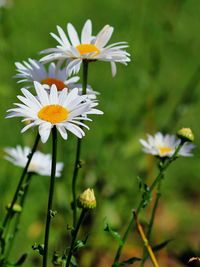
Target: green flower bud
pixel 186 135
pixel 87 199
pixel 16 207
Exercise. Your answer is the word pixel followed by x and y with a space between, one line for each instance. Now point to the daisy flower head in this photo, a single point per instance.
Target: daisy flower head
pixel 40 163
pixel 165 145
pixel 63 110
pixel 88 47
pixel 33 70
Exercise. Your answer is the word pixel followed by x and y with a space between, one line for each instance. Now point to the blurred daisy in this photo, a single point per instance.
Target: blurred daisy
pixel 40 163
pixel 88 48
pixel 165 145
pixel 6 3
pixel 34 70
pixel 63 110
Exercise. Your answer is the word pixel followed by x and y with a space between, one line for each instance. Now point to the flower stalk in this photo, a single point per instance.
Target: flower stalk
pixel 10 208
pixel 74 236
pixel 145 240
pixel 77 164
pixel 51 193
pixel 142 204
pixel 151 222
pixel 23 193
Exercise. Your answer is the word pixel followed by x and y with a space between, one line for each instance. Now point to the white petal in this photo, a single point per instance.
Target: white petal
pixel 104 36
pixel 86 33
pixel 62 131
pixel 113 68
pixel 44 131
pixel 73 34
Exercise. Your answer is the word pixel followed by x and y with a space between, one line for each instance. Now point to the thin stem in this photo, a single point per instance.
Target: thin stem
pixel 51 192
pixel 74 236
pixel 24 190
pixel 141 204
pixel 78 151
pixel 25 170
pixel 145 240
pixel 151 222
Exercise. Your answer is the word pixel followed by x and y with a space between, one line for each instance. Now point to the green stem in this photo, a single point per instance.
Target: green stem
pixel 78 151
pixel 74 236
pixel 24 190
pixel 141 204
pixel 51 192
pixel 151 222
pixel 10 209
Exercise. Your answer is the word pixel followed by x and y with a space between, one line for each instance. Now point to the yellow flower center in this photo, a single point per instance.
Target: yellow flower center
pixel 53 113
pixel 87 48
pixel 164 149
pixel 50 81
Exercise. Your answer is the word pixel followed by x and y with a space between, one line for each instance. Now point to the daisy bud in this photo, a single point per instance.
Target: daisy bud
pixel 87 199
pixel 16 207
pixel 186 135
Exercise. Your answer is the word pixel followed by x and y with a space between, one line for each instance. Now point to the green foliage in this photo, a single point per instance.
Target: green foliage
pixel 126 262
pixel 113 233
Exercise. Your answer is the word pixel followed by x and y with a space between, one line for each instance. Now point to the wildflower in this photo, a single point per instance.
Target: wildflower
pixel 186 134
pixel 34 70
pixel 87 199
pixel 40 163
pixel 165 145
pixel 63 110
pixel 89 47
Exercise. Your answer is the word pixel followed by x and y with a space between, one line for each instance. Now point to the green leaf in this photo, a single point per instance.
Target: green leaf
pixel 161 245
pixel 18 263
pixel 78 245
pixel 114 234
pixel 126 262
pixel 21 260
pixel 73 262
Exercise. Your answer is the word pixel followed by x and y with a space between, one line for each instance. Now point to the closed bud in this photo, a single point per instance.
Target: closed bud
pixel 186 135
pixel 87 199
pixel 16 207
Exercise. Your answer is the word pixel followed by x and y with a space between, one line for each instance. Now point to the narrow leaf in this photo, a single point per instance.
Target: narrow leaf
pixel 161 245
pixel 114 234
pixel 126 262
pixel 21 260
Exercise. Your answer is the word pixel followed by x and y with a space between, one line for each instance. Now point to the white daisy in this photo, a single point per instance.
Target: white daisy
pixel 34 70
pixel 63 110
pixel 40 163
pixel 165 145
pixel 88 48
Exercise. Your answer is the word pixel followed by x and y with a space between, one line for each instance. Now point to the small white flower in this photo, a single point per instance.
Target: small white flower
pixel 40 163
pixel 88 48
pixel 63 110
pixel 33 70
pixel 165 145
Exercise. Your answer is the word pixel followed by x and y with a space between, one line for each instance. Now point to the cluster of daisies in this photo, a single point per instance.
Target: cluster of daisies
pixel 52 96
pixel 58 99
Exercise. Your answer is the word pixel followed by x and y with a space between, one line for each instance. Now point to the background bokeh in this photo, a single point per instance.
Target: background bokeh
pixel 158 91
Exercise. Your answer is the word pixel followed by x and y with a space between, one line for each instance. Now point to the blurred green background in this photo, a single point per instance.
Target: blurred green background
pixel 158 91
